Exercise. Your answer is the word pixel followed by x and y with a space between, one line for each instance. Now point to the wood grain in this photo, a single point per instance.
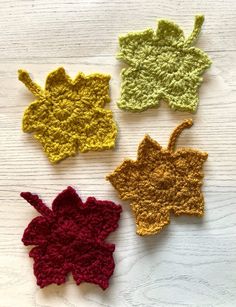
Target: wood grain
pixel 190 263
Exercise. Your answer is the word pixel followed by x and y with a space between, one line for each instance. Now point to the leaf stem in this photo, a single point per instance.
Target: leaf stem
pixel 175 134
pixel 199 19
pixel 37 203
pixel 34 88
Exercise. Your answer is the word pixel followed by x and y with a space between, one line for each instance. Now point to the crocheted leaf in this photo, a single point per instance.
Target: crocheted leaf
pixel 162 66
pixel 160 181
pixel 168 33
pixel 70 238
pixel 125 179
pixel 95 265
pixel 37 232
pixel 95 85
pixel 67 204
pixel 68 115
pixel 49 265
pixel 92 264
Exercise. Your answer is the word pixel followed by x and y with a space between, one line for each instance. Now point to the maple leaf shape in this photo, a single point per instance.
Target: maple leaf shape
pixel 163 66
pixel 160 181
pixel 70 238
pixel 68 115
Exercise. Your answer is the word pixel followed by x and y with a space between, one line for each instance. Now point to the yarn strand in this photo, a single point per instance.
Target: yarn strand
pixel 37 203
pixel 198 22
pixel 28 82
pixel 175 134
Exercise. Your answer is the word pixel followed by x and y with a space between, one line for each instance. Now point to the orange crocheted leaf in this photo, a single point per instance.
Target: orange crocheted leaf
pixel 148 151
pixel 189 199
pixel 125 179
pixel 151 217
pixel 160 181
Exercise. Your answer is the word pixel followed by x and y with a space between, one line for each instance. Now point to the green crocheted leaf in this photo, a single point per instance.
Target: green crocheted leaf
pixel 134 45
pixel 168 33
pixel 162 66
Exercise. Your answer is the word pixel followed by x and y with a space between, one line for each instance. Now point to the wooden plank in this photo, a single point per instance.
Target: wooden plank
pixel 190 263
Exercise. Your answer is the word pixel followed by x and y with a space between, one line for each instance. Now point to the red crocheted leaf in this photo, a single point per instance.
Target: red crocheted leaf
pixel 37 232
pixel 70 238
pixel 49 265
pixel 93 219
pixel 88 263
pixel 103 217
pixel 67 203
pixel 94 264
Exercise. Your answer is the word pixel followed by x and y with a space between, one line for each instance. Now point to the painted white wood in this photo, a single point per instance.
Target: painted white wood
pixel 190 263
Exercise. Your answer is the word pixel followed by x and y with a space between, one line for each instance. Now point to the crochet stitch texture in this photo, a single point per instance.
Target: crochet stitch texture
pixel 70 238
pixel 68 115
pixel 161 181
pixel 163 65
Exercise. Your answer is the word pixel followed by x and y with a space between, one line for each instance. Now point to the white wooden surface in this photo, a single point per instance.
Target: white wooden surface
pixel 190 263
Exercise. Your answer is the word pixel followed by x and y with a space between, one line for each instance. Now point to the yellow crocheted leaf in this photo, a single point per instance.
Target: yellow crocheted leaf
pixel 58 81
pixel 162 66
pixel 68 115
pixel 99 131
pixel 93 88
pixel 57 144
pixel 160 181
pixel 35 116
pixel 98 85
